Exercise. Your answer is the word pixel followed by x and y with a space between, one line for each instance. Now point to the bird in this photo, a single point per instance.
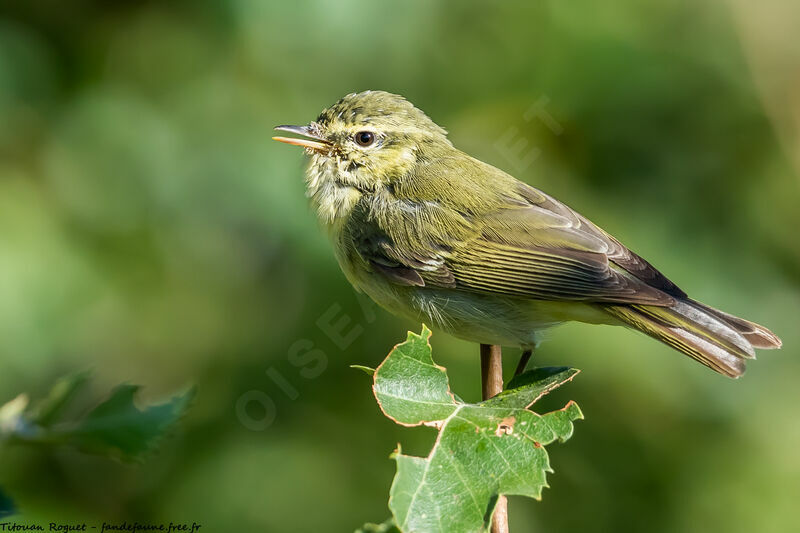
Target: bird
pixel 435 235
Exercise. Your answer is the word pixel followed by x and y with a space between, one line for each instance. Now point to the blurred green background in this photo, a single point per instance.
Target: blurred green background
pixel 150 230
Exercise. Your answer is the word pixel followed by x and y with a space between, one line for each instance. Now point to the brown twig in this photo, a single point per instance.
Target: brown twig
pixel 492 385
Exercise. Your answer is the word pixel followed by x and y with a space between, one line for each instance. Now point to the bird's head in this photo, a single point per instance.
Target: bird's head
pixel 365 141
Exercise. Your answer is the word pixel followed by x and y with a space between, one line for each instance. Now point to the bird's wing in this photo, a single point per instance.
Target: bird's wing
pixel 529 246
pixel 539 248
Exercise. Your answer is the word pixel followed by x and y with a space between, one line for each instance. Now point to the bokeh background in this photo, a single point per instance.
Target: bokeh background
pixel 150 230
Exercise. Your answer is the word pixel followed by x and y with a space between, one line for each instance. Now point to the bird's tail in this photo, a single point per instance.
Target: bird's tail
pixel 720 341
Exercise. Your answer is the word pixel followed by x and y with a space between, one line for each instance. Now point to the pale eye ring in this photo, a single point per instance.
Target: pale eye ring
pixel 364 138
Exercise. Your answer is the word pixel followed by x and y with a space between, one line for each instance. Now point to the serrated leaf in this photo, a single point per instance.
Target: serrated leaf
pixel 410 388
pixel 6 505
pixel 526 389
pixel 117 427
pixel 483 450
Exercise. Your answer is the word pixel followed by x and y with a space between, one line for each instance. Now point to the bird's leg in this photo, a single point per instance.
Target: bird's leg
pixel 492 385
pixel 523 362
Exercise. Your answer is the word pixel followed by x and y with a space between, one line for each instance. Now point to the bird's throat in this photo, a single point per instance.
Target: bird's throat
pixel 330 192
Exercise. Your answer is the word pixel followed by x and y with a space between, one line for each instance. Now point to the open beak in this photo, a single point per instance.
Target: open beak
pixel 318 144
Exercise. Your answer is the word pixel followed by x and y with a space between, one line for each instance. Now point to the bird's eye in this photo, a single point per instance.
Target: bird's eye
pixel 364 138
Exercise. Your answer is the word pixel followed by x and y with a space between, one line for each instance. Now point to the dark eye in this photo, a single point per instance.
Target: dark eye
pixel 365 138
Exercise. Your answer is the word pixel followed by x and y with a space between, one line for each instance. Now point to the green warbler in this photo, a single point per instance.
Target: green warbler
pixel 430 233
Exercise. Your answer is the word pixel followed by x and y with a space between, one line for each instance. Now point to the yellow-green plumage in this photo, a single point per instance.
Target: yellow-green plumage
pixel 431 233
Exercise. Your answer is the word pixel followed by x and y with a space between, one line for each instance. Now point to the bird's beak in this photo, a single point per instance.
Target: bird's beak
pixel 318 144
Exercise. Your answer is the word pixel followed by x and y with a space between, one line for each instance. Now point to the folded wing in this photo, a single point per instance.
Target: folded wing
pixel 528 246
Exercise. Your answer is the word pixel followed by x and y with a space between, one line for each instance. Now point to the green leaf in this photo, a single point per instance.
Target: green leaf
pixel 386 527
pixel 117 427
pixel 483 450
pixel 410 388
pixel 6 505
pixel 527 388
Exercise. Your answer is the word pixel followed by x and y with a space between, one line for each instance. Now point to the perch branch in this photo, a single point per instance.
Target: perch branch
pixel 492 385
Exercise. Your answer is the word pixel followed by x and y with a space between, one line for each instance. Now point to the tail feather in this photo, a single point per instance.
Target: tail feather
pixel 718 340
pixel 758 336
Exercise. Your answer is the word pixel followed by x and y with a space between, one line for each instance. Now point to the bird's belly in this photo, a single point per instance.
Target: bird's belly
pixel 483 318
pixel 477 317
